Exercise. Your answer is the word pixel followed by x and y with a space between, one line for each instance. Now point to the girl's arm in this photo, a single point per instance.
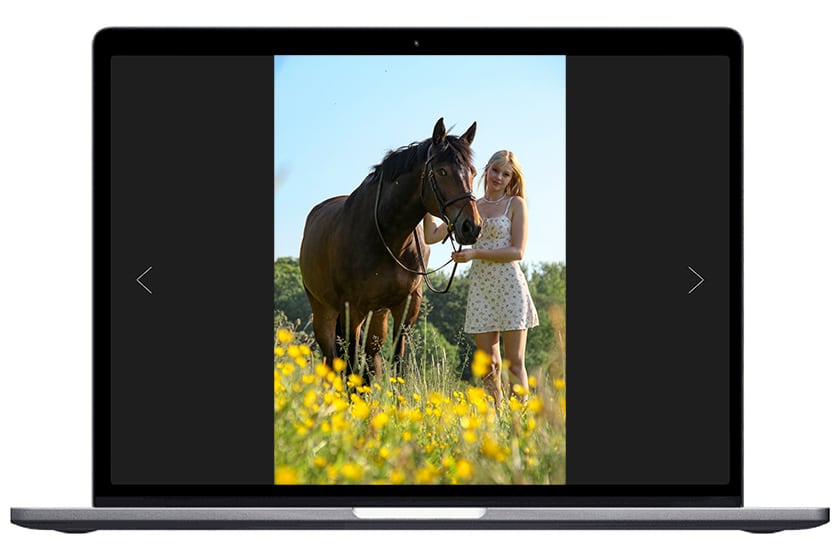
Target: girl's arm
pixel 518 239
pixel 432 232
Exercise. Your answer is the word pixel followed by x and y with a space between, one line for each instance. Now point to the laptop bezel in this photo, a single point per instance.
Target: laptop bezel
pixel 268 41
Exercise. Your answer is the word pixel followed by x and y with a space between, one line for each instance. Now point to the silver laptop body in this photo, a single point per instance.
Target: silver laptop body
pixel 184 124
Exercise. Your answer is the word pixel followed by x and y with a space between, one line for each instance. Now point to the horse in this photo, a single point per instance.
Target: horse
pixel 364 254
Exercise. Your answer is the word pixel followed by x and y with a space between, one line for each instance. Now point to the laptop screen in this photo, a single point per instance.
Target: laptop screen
pixel 417 267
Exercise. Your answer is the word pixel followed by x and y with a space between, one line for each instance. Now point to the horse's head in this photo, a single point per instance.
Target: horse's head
pixel 447 183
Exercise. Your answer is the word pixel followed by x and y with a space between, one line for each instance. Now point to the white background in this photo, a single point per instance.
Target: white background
pixel 792 166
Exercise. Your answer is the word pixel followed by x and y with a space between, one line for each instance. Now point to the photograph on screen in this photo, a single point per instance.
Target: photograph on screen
pixel 419 270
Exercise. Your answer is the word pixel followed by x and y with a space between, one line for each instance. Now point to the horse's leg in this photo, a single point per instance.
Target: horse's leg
pixel 410 315
pixel 351 339
pixel 323 324
pixel 377 331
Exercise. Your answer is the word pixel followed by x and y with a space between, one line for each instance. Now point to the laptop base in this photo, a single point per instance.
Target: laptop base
pixel 755 520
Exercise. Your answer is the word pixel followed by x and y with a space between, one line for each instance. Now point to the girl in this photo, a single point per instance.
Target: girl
pixel 498 302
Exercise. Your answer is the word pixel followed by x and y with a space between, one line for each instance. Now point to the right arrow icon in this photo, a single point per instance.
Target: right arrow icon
pixel 698 276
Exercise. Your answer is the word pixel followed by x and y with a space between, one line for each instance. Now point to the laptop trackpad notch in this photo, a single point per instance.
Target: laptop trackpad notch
pixel 418 513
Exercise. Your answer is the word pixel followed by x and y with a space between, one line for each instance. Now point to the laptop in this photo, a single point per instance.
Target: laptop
pixel 418 278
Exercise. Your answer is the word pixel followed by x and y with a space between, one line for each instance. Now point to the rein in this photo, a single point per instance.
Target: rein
pixel 442 205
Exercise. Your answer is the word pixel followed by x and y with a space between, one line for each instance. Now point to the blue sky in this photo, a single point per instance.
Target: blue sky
pixel 336 116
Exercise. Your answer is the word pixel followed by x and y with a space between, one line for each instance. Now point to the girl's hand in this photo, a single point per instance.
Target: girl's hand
pixel 463 256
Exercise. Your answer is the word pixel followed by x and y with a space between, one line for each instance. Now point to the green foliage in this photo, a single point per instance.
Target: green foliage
pixel 546 342
pixel 289 295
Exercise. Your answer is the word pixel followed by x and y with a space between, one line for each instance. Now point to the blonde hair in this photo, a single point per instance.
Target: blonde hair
pixel 516 187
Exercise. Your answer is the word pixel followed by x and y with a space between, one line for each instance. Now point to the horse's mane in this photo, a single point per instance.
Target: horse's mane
pixel 404 159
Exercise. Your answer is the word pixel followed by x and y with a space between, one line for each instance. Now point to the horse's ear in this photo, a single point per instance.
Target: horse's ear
pixel 469 135
pixel 440 132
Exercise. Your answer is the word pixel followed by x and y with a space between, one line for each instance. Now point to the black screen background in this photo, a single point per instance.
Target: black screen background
pixel 648 195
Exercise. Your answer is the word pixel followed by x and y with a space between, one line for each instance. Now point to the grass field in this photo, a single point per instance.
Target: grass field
pixel 422 426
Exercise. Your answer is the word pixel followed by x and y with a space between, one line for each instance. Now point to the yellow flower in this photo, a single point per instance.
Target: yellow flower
pixel 519 389
pixel 279 351
pixel 532 382
pixel 397 477
pixel 490 448
pixel 319 462
pixel 287 369
pixel 415 415
pixel 379 421
pixel 338 384
pixel 384 453
pixel 426 474
pixel 352 471
pixel 284 336
pixel 481 363
pixel 308 379
pixel 406 436
pixel 340 405
pixel 294 352
pixel 535 405
pixel 560 384
pixel 310 398
pixel 464 469
pixel 321 370
pixel 332 472
pixel 304 350
pixel 476 395
pixel 339 364
pixel 470 422
pixel 417 397
pixel 354 380
pixel 285 475
pixel 360 410
pixel 377 386
pixel 470 436
pixel 462 409
pixel 515 405
pixel 337 422
pixel 300 361
pixel 400 380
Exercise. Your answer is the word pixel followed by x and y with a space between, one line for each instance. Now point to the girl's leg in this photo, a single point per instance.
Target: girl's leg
pixel 489 342
pixel 515 354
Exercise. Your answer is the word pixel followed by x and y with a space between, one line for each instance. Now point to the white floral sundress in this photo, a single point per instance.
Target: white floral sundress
pixel 498 298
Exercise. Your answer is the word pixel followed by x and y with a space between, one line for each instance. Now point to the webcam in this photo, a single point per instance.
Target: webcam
pixel 416 43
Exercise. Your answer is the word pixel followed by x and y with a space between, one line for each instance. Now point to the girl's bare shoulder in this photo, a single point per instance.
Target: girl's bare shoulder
pixel 517 204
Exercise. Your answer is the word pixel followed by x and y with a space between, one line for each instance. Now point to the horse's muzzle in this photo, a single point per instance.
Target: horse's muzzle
pixel 466 232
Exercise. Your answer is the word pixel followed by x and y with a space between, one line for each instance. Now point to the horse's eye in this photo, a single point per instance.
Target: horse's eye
pixel 442 172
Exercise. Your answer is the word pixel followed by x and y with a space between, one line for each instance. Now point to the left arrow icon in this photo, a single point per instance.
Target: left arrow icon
pixel 141 283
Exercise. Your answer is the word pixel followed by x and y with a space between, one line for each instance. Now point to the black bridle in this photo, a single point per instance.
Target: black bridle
pixel 442 206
